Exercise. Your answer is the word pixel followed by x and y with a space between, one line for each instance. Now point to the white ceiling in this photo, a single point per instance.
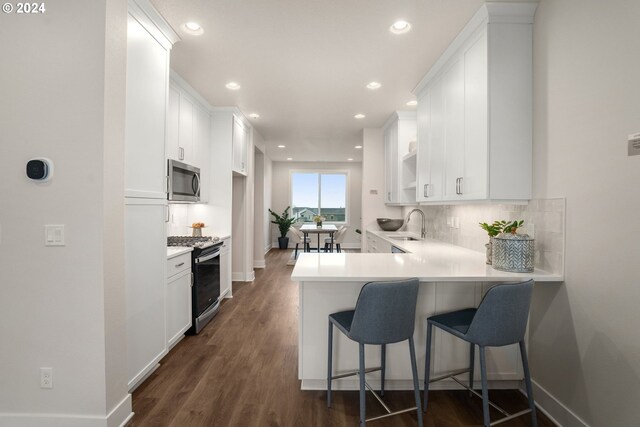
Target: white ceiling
pixel 303 64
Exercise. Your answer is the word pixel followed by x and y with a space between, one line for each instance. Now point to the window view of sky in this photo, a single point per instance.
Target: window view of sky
pixel 312 193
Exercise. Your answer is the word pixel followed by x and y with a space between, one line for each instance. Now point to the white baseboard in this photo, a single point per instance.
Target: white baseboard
pixel 119 416
pixel 267 248
pixel 259 263
pixel 249 276
pixel 555 410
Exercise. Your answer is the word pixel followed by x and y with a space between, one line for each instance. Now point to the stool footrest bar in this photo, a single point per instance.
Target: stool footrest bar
pixel 510 417
pixel 505 413
pixel 352 373
pixel 449 375
pixel 377 397
pixel 392 413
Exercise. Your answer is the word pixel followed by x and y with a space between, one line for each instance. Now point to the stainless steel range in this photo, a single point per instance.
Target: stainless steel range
pixel 205 268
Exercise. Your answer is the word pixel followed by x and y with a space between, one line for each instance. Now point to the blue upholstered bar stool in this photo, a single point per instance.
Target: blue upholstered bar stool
pixel 384 314
pixel 500 319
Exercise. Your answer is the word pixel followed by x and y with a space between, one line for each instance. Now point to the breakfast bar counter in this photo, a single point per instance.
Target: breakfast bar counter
pixel 451 278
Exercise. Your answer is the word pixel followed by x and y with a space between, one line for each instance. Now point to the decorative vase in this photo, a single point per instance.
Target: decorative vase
pixel 489 252
pixel 319 224
pixel 513 253
pixel 196 232
pixel 283 242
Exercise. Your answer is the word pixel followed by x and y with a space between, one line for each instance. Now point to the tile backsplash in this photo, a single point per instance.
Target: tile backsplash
pixel 458 224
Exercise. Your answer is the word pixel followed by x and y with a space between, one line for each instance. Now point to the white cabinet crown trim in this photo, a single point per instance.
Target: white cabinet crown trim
pixel 490 12
pixel 144 12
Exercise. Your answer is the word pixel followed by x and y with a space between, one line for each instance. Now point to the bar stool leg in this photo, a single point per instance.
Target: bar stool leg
pixel 362 390
pixel 296 254
pixel 527 381
pixel 416 387
pixel 329 365
pixel 383 364
pixel 427 366
pixel 485 389
pixel 472 354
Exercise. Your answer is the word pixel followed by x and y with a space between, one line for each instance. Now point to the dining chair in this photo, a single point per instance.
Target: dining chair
pixel 338 238
pixel 298 237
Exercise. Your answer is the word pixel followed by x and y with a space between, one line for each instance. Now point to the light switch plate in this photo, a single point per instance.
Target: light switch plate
pixel 54 235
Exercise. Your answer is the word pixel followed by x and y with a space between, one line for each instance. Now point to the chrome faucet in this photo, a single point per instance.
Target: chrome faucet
pixel 423 230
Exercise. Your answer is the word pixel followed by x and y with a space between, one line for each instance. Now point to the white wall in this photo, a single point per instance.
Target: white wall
pixel 63 97
pixel 268 183
pixel 373 182
pixel 584 335
pixel 259 210
pixel 281 193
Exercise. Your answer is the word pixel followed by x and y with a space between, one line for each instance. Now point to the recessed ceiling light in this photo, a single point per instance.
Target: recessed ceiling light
pixel 359 116
pixel 232 86
pixel 281 146
pixel 373 85
pixel 289 158
pixel 412 103
pixel 350 159
pixel 193 28
pixel 400 27
pixel 358 146
pixel 254 116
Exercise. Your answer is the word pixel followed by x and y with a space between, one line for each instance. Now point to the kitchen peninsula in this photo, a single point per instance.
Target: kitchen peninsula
pixel 451 277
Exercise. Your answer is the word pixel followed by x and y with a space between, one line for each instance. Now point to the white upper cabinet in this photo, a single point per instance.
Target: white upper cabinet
pixel 240 141
pixel 400 163
pixel 202 149
pixel 475 111
pixel 189 131
pixel 146 100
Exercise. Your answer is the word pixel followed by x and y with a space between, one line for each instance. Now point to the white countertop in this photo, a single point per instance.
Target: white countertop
pixel 429 260
pixel 174 251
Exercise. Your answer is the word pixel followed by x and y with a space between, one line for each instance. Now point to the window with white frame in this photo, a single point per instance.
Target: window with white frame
pixel 319 193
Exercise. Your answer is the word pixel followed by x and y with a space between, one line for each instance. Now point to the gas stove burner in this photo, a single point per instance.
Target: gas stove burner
pixel 193 242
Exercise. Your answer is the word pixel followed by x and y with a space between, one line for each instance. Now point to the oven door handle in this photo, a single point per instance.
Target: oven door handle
pixel 208 257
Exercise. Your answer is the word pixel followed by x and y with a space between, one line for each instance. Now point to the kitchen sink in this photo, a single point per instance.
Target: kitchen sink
pixel 404 238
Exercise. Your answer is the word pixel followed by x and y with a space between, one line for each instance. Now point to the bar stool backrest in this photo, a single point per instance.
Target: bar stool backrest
pixel 385 312
pixel 502 315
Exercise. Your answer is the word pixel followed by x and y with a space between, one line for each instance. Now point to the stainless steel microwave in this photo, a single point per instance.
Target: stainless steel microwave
pixel 184 182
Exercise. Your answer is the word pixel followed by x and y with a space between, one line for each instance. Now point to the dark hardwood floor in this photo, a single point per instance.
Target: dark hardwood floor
pixel 241 370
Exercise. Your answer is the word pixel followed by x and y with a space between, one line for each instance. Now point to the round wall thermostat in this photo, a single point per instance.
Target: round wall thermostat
pixel 40 169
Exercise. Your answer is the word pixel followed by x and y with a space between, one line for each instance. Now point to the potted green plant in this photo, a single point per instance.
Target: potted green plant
pixel 492 230
pixel 284 223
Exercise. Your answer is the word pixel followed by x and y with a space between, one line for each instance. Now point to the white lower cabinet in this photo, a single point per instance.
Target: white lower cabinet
pixel 376 245
pixel 145 277
pixel 178 305
pixel 225 269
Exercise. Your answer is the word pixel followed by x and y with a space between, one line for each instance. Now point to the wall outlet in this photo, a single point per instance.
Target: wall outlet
pixel 46 377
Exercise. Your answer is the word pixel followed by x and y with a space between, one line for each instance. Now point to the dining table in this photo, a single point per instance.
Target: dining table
pixel 323 229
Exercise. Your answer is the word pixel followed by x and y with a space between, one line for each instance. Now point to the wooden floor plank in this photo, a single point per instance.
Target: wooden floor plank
pixel 241 370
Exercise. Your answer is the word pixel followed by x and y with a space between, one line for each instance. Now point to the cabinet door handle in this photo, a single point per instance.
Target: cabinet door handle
pixel 389 196
pixel 426 190
pixel 459 186
pixel 179 265
pixel 180 153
